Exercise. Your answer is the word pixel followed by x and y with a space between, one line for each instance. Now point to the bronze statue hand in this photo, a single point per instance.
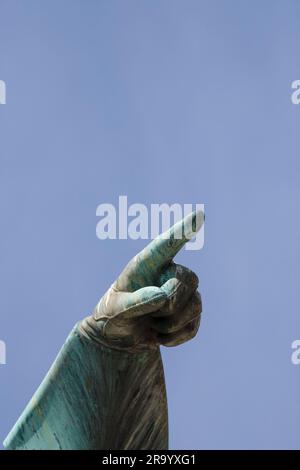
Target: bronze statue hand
pixel 154 301
pixel 98 393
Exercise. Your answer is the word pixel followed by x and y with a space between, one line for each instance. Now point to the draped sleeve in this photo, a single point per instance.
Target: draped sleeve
pixel 96 397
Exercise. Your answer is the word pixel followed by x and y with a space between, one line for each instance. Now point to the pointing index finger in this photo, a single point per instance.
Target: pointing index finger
pixel 144 267
pixel 163 248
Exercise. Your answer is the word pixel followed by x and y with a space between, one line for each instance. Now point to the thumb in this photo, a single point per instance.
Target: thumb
pixel 131 304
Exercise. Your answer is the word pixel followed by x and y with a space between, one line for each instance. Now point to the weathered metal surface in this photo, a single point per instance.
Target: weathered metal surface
pixel 95 397
pixel 106 388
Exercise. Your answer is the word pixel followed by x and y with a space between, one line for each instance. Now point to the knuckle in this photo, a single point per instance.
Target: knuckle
pixel 197 303
pixel 187 276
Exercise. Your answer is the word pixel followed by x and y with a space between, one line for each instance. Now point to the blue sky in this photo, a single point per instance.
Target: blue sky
pixel 162 101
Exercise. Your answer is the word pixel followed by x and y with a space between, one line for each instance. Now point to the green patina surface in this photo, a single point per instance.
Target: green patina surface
pixel 94 397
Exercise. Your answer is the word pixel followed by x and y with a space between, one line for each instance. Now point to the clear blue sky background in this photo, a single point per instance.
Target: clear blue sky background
pixel 163 101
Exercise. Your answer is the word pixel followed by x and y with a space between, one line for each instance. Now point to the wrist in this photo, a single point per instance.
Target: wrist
pixel 94 330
